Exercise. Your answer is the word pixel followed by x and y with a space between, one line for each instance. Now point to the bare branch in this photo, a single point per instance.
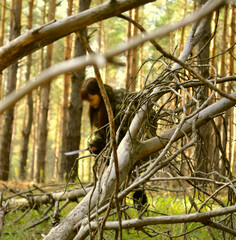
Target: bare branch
pixel 81 62
pixel 157 143
pixel 37 38
pixel 45 198
pixel 111 124
pixel 185 218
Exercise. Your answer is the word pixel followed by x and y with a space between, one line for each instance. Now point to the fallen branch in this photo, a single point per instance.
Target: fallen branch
pixel 203 217
pixel 34 200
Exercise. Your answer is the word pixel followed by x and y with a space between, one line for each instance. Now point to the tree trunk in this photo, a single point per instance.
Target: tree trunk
pixel 134 55
pixel 204 148
pixel 38 200
pixel 11 86
pixel 183 29
pixel 27 130
pixel 34 139
pixel 131 66
pixel 65 100
pixel 171 35
pixel 231 61
pixel 128 53
pixel 75 108
pixel 223 69
pixel 2 32
pixel 43 122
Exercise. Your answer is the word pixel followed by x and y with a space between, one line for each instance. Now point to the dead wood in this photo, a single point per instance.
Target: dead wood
pixel 34 200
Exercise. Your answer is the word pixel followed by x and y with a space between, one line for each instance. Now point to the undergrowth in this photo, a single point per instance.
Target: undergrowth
pixel 161 204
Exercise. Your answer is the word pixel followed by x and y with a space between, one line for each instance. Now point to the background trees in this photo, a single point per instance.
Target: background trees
pixel 15 30
pixel 180 97
pixel 113 74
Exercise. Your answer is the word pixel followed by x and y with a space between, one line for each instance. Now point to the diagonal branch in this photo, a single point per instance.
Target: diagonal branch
pixel 39 37
pixel 81 62
pixel 157 143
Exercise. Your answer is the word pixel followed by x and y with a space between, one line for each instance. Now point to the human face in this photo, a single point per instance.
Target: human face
pixel 94 100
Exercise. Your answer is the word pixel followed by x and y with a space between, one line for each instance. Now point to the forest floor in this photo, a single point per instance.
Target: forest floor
pixel 19 222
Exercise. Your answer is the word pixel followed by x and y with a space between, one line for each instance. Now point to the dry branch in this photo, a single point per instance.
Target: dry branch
pixel 44 198
pixel 125 153
pixel 99 60
pixel 129 152
pixel 111 123
pixel 39 37
pixel 157 143
pixel 185 218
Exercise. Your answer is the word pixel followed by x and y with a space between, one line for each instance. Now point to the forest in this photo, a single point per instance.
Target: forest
pixel 166 169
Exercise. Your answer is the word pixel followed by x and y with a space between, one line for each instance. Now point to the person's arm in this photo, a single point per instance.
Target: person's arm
pixel 98 142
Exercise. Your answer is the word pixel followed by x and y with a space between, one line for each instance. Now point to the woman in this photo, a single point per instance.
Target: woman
pixel 98 118
pixel 97 110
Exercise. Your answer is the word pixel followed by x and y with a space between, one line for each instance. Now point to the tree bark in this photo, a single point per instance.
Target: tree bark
pixel 11 86
pixel 27 130
pixel 131 65
pixel 171 35
pixel 68 42
pixel 133 77
pixel 204 148
pixel 36 200
pixel 128 53
pixel 75 108
pixel 2 32
pixel 43 122
pixel 231 64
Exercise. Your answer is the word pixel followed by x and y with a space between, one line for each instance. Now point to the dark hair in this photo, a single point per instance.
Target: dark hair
pixel 90 86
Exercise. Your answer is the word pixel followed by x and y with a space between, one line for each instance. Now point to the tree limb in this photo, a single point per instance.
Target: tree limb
pixel 81 62
pixel 34 200
pixel 155 144
pixel 39 37
pixel 173 219
pixel 111 125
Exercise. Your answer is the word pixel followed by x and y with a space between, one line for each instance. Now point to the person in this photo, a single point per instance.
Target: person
pixel 90 92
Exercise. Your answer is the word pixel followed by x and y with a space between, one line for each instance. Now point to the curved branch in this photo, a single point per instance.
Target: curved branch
pixel 157 143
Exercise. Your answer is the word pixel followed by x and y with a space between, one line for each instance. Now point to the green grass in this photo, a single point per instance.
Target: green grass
pixel 160 204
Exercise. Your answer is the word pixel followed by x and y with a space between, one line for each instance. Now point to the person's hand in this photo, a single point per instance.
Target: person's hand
pixel 93 149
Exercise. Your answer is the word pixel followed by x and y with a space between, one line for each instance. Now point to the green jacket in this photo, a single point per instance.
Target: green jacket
pixel 120 99
pixel 101 136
